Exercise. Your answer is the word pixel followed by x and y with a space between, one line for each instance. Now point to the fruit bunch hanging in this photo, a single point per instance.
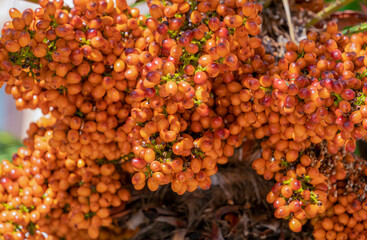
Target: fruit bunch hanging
pixel 307 147
pixel 163 100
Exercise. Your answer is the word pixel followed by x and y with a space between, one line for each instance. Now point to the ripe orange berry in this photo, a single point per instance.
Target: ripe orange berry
pixel 295 225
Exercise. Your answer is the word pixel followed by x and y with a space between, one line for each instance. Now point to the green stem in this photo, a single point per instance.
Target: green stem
pixel 355 29
pixel 328 11
pixel 338 99
pixel 313 198
pixel 360 100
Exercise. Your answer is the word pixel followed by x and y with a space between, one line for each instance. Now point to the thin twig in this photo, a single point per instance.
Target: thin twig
pixel 327 11
pixel 355 29
pixel 289 20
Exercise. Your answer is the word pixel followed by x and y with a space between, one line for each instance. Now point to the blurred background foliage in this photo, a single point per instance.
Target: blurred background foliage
pixel 355 5
pixel 8 145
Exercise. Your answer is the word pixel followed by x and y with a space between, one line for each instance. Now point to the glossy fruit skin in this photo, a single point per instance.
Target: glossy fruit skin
pixel 295 225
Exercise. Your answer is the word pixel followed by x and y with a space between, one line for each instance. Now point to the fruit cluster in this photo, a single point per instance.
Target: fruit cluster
pixel 62 61
pixel 119 82
pixel 178 105
pixel 316 98
pixel 345 213
pixel 44 191
pixel 165 99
